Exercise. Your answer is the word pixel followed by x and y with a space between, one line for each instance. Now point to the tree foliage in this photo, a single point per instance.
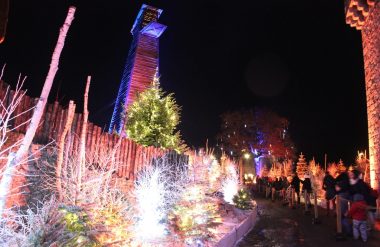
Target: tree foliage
pixel 152 119
pixel 256 129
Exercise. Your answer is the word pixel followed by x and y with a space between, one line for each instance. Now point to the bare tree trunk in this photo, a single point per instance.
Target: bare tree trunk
pixel 61 148
pixel 22 152
pixel 82 141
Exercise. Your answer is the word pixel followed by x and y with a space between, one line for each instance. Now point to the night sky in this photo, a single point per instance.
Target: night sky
pixel 297 57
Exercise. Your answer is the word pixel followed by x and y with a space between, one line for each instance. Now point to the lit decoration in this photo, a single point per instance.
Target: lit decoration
pixel 195 216
pixel 153 118
pixel 199 166
pixel 301 166
pixel 114 224
pixel 332 168
pixel 362 164
pixel 249 178
pixel 230 185
pixel 151 193
pixel 316 176
pixel 215 171
pixel 242 199
pixel 247 156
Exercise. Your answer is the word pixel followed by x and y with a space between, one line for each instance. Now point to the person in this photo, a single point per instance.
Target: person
pixel 344 198
pixel 343 181
pixel 306 187
pixel 267 186
pixel 275 186
pixel 285 185
pixel 329 187
pixel 358 186
pixel 278 187
pixel 358 213
pixel 296 185
pixel 371 214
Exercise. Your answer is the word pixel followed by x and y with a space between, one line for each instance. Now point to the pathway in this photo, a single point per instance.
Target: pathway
pixel 280 226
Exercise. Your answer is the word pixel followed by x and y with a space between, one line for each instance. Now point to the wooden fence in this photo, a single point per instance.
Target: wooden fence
pixel 129 156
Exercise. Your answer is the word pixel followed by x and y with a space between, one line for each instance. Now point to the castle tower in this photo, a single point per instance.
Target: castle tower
pixel 364 15
pixel 141 65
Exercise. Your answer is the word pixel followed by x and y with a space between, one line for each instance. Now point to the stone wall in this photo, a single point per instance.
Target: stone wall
pixel 371 53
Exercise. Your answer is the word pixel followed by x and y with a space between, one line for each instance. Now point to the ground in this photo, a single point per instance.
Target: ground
pixel 280 226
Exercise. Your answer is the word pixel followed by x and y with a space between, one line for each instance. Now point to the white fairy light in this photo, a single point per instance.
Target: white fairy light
pixel 230 185
pixel 155 193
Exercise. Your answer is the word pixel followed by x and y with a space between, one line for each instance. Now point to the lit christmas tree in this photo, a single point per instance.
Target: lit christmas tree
pixel 153 118
pixel 301 166
pixel 362 164
pixel 214 174
pixel 332 168
pixel 288 168
pixel 242 199
pixel 316 176
pixel 195 216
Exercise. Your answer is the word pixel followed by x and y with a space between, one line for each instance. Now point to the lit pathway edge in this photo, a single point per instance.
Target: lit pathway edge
pixel 238 232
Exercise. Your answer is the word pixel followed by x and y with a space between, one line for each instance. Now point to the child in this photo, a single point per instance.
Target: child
pixel 358 212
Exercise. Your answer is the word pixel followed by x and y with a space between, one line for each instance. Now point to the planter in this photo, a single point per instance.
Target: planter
pixel 239 231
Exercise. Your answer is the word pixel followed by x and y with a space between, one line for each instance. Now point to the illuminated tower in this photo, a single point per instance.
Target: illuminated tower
pixel 141 65
pixel 364 15
pixel 4 9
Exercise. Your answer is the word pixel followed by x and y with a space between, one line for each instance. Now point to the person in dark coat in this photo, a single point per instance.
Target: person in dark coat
pixel 285 185
pixel 275 186
pixel 358 186
pixel 329 187
pixel 296 185
pixel 306 186
pixel 343 181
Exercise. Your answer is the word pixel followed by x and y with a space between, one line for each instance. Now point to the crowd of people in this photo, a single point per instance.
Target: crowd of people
pixel 357 200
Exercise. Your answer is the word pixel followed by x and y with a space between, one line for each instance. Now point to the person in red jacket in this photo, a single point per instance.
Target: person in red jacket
pixel 358 213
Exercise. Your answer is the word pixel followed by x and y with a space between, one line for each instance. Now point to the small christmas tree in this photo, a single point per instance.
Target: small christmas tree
pixel 332 168
pixel 301 166
pixel 316 177
pixel 194 217
pixel 362 164
pixel 242 199
pixel 214 175
pixel 288 168
pixel 153 118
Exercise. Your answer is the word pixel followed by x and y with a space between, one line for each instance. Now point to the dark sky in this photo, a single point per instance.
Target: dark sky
pixel 297 57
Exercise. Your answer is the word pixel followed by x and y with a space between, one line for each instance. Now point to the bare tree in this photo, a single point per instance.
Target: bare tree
pixel 17 158
pixel 61 147
pixel 82 141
